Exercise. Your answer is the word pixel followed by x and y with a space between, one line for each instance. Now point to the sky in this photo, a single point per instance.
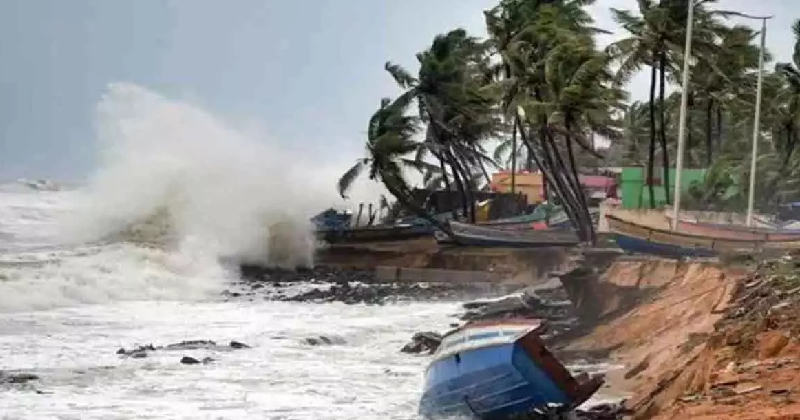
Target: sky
pixel 307 72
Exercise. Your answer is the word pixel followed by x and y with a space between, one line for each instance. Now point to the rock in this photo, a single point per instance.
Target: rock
pixel 324 340
pixel 18 378
pixel 238 345
pixel 187 360
pixel 421 342
pixel 191 345
pixel 137 352
pixel 348 286
pixel 143 351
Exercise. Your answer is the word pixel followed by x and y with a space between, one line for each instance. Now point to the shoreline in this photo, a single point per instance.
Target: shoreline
pixel 655 320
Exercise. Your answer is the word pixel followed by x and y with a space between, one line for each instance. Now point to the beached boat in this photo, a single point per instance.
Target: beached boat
pixel 734 231
pixel 500 370
pixel 636 238
pixel 474 235
pixel 375 234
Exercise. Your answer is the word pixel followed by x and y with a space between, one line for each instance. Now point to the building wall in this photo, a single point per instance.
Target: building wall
pixel 636 194
pixel 529 184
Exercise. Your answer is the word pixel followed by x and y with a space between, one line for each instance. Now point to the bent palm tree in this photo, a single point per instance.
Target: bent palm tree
pixel 389 142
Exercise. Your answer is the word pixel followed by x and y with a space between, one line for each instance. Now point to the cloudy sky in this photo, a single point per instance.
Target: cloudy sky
pixel 308 72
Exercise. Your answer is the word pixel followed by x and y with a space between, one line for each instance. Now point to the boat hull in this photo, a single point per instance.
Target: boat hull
pixel 642 246
pixel 735 231
pixel 637 238
pixel 377 234
pixel 507 377
pixel 481 236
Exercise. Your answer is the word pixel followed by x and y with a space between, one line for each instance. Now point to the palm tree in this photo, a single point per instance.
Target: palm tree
pixel 457 103
pixel 721 78
pixel 389 142
pixel 656 40
pixel 543 85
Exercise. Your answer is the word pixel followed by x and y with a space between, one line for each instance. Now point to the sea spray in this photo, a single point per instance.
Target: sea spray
pixel 174 167
pixel 176 191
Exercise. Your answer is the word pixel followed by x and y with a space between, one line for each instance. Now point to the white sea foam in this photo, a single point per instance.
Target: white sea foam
pixel 214 183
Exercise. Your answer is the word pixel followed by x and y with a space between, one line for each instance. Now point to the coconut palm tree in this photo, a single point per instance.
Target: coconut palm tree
pixel 389 144
pixel 537 41
pixel 457 104
pixel 656 39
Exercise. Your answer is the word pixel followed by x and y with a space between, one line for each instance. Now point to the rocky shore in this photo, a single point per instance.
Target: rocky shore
pixel 350 286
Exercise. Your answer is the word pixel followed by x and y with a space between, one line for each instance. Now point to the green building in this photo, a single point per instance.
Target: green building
pixel 636 194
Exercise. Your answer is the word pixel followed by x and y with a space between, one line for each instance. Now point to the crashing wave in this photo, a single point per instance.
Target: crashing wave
pixel 40 184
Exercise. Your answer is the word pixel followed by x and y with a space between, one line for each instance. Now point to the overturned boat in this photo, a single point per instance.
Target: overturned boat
pixel 500 370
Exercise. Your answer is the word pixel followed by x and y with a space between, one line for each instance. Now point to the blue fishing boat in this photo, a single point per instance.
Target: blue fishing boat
pixel 500 370
pixel 636 238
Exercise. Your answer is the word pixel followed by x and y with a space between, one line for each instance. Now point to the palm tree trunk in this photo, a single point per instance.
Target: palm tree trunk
pixel 460 186
pixel 448 185
pixel 719 129
pixel 709 134
pixel 482 167
pixel 584 205
pixel 651 158
pixel 546 172
pixel 513 157
pixel 664 152
pixel 564 189
pixel 469 196
pixel 360 211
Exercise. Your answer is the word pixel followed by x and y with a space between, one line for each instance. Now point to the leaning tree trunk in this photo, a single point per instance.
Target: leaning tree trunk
pixel 547 173
pixel 689 137
pixel 562 176
pixel 651 158
pixel 584 204
pixel 448 186
pixel 719 129
pixel 709 131
pixel 513 156
pixel 360 212
pixel 459 185
pixel 468 186
pixel 663 116
pixel 555 166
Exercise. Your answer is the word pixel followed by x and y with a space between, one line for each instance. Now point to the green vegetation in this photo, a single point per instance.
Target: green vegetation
pixel 539 90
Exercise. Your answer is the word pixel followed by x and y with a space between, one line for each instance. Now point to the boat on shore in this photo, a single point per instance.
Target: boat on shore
pixel 636 238
pixel 734 231
pixel 374 234
pixel 474 235
pixel 500 370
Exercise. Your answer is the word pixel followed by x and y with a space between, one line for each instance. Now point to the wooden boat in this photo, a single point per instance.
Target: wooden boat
pixel 733 231
pixel 558 221
pixel 474 235
pixel 633 237
pixel 500 370
pixel 374 234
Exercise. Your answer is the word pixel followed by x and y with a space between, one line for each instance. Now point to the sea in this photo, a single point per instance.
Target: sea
pixel 132 256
